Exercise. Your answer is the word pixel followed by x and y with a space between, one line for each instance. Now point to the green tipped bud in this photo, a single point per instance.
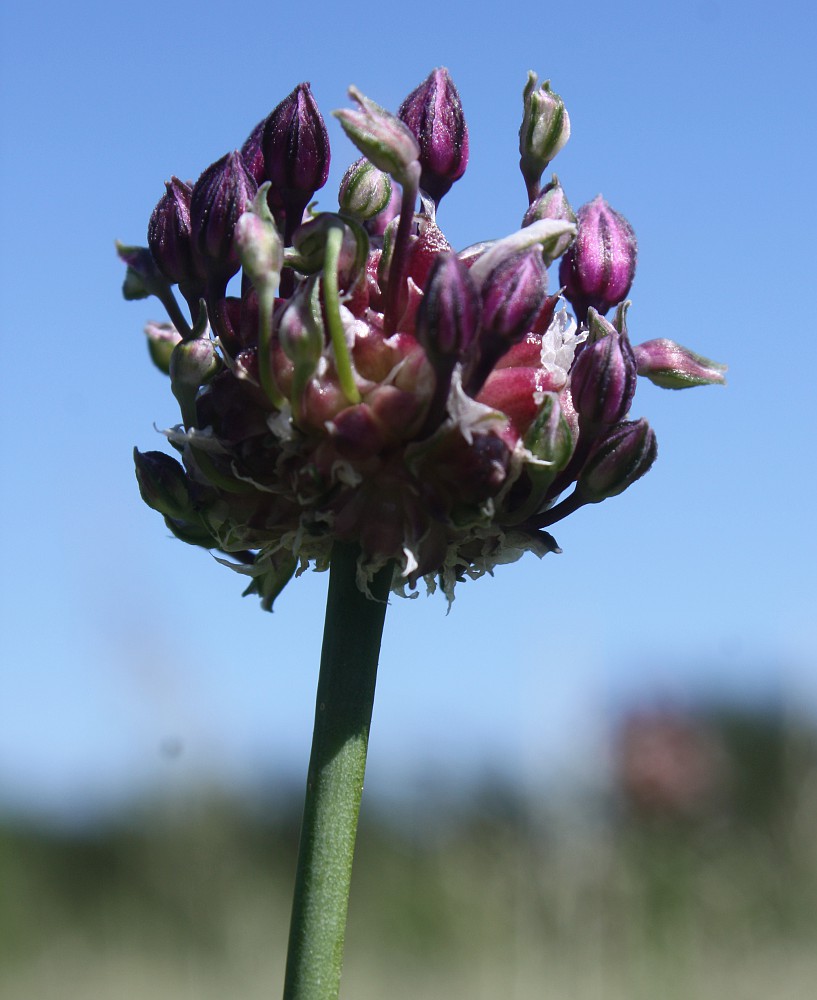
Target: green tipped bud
pixel 549 438
pixel 672 366
pixel 544 131
pixel 162 338
pixel 193 362
pixel 259 244
pixel 163 484
pixel 300 328
pixel 381 137
pixel 364 191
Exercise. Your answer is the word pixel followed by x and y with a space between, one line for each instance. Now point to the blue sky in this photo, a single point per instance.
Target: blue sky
pixel 696 122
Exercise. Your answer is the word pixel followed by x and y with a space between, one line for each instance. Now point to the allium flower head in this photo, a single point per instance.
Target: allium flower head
pixel 374 385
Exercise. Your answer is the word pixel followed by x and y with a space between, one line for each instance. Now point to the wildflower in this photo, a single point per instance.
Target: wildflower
pixel 371 384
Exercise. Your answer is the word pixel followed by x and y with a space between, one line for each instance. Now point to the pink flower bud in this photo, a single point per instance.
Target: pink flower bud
pixel 598 269
pixel 675 367
pixel 623 455
pixel 433 112
pixel 602 380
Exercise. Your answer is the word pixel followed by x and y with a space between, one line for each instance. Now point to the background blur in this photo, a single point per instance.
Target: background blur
pixel 595 776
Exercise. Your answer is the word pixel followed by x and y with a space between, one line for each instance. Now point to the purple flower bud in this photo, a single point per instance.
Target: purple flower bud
pixel 623 455
pixel 365 191
pixel 218 201
pixel 552 204
pixel 433 112
pixel 675 367
pixel 163 484
pixel 599 267
pixel 513 294
pixel 169 233
pixel 602 380
pixel 544 130
pixel 448 317
pixel 252 153
pixel 296 148
pixel 380 136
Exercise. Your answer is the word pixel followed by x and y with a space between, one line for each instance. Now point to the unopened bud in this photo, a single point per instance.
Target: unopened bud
pixel 675 367
pixel 513 294
pixel 143 277
pixel 162 338
pixel 193 362
pixel 296 148
pixel 365 191
pixel 552 204
pixel 169 236
pixel 218 201
pixel 448 317
pixel 544 131
pixel 623 455
pixel 602 380
pixel 300 328
pixel 259 244
pixel 163 484
pixel 433 112
pixel 598 269
pixel 381 137
pixel 549 438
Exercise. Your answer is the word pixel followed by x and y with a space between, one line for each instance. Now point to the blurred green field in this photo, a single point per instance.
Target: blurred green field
pixel 489 897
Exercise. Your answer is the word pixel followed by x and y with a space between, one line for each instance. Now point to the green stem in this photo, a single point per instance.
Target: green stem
pixel 351 646
pixel 331 301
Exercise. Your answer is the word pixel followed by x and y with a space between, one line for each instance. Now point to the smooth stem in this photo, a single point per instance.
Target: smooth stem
pixel 397 268
pixel 351 646
pixel 331 302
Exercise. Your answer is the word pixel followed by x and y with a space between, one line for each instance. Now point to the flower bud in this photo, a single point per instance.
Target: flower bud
pixel 162 338
pixel 378 225
pixel 675 367
pixel 544 131
pixel 169 233
pixel 163 484
pixel 259 244
pixel 552 204
pixel 433 112
pixel 218 201
pixel 602 380
pixel 193 362
pixel 513 294
pixel 300 328
pixel 598 327
pixel 599 267
pixel 623 455
pixel 380 136
pixel 365 191
pixel 448 317
pixel 549 438
pixel 142 277
pixel 296 148
pixel 252 153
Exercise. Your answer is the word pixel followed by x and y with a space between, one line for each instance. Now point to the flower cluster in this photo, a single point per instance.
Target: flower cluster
pixel 368 383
